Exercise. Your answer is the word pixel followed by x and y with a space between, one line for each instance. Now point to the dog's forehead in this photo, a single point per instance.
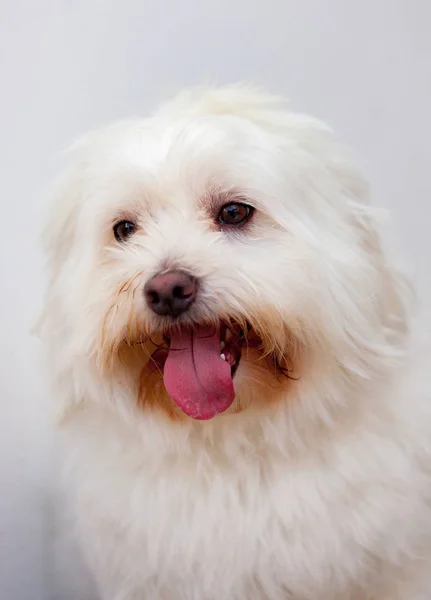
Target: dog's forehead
pixel 175 161
pixel 169 144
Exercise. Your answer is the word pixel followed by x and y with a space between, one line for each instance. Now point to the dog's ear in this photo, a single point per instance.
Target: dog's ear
pixel 389 293
pixel 58 233
pixel 52 327
pixel 394 294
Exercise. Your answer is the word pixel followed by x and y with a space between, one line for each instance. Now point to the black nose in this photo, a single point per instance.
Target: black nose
pixel 171 294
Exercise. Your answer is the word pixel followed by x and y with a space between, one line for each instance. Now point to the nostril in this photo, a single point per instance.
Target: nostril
pixel 181 292
pixel 153 297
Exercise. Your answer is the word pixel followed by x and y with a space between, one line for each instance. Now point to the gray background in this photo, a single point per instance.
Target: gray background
pixel 69 65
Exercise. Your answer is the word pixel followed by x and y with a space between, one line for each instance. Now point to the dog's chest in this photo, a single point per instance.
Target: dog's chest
pixel 256 528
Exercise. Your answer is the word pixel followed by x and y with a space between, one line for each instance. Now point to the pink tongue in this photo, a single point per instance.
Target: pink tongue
pixel 196 378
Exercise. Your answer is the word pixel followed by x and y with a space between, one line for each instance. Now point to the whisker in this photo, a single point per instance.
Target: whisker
pixel 154 362
pixel 158 346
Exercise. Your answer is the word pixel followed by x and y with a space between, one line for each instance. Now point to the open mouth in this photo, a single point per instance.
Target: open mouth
pixel 199 365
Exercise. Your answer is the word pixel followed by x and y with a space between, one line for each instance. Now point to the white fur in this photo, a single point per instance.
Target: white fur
pixel 320 488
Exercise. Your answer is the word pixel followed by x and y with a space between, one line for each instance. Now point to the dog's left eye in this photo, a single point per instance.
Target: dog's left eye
pixel 236 213
pixel 123 230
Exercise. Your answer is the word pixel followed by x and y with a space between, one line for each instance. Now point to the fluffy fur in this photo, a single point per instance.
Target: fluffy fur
pixel 316 483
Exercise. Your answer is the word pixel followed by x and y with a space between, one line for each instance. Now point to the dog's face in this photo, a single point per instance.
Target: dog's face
pixel 214 256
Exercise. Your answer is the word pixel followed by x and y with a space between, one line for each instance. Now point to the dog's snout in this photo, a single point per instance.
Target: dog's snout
pixel 171 293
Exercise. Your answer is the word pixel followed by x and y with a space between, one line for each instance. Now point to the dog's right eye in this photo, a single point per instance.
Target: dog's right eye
pixel 123 230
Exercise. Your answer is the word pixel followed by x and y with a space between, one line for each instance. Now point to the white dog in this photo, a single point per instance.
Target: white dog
pixel 243 413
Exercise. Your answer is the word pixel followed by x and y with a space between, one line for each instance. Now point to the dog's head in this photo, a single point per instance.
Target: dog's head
pixel 217 256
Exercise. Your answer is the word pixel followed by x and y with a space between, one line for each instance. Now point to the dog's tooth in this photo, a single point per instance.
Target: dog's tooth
pixel 228 335
pixel 223 356
pixel 222 345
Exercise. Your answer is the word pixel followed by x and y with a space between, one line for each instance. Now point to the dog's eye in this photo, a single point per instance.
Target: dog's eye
pixel 123 230
pixel 235 214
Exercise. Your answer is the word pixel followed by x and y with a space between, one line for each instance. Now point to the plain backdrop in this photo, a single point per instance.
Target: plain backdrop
pixel 70 65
